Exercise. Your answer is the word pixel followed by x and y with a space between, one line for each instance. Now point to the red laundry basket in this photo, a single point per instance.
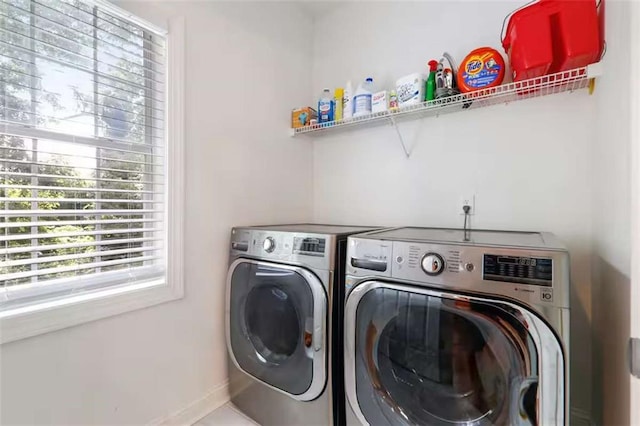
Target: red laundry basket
pixel 549 36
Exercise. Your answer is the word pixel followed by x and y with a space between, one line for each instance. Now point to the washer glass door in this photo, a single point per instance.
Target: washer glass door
pixel 424 358
pixel 273 327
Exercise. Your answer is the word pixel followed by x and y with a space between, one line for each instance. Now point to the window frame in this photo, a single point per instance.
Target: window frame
pixel 47 315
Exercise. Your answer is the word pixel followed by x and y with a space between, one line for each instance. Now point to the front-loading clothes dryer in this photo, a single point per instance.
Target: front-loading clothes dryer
pixel 285 293
pixel 443 328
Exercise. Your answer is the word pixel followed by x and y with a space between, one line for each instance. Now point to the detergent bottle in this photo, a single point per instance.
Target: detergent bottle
pixel 338 104
pixel 325 107
pixel 362 98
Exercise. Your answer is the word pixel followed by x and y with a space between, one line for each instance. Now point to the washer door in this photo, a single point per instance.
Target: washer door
pixel 276 319
pixel 416 356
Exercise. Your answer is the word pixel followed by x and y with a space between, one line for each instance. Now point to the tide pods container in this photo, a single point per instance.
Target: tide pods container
pixel 481 69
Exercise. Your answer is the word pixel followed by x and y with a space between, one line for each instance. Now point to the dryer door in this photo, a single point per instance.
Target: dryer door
pixel 416 356
pixel 276 318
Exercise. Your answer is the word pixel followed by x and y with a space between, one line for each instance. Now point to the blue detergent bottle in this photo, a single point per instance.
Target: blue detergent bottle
pixel 326 107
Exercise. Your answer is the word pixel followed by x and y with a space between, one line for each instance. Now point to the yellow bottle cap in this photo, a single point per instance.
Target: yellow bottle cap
pixel 339 92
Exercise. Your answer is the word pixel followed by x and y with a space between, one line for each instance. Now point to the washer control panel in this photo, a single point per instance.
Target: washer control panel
pixel 425 261
pixel 432 264
pixel 369 257
pixel 518 269
pixel 531 275
pixel 269 244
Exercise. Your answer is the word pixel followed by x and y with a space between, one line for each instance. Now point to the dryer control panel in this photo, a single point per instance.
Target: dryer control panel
pixel 312 250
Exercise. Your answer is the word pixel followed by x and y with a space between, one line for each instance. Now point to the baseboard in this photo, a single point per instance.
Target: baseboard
pixel 197 409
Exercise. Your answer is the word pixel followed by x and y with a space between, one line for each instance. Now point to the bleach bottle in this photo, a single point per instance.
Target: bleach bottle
pixel 362 98
pixel 325 107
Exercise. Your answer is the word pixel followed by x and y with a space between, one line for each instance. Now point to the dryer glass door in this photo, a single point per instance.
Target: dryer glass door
pixel 425 357
pixel 276 317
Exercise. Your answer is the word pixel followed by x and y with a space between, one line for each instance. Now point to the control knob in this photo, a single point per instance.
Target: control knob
pixel 269 244
pixel 432 264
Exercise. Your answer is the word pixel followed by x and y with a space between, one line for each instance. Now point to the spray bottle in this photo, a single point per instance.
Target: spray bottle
pixel 431 81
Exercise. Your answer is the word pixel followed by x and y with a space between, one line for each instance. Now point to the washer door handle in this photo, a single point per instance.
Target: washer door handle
pixel 314 331
pixel 317 337
pixel 634 348
pixel 319 316
pixel 319 321
pixel 308 338
pixel 520 415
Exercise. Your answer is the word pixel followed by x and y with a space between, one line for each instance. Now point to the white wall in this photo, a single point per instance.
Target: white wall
pixel 529 163
pixel 612 222
pixel 555 164
pixel 247 65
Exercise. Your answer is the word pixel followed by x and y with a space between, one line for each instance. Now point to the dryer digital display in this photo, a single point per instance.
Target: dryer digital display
pixel 309 246
pixel 521 270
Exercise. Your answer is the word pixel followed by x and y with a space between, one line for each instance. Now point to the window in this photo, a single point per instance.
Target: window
pixel 83 159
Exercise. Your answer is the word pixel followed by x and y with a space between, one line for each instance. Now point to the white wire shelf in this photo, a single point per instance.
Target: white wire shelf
pixel 566 81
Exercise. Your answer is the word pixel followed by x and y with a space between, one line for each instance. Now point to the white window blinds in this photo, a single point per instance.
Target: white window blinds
pixel 82 156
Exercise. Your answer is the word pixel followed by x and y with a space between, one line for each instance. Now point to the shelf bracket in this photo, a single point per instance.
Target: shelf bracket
pixel 595 70
pixel 404 146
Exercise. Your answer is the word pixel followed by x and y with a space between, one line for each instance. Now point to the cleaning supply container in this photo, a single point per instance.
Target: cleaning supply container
pixel 410 89
pixel 362 98
pixel 380 101
pixel 325 107
pixel 446 84
pixel 550 36
pixel 338 105
pixel 528 44
pixel 481 69
pixel 430 91
pixel 347 101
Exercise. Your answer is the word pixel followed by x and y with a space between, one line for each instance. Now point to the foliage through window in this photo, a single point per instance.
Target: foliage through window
pixel 82 159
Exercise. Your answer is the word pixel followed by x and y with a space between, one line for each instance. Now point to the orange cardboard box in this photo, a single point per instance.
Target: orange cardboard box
pixel 301 117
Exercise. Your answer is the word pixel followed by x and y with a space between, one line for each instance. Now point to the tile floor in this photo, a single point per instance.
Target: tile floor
pixel 227 415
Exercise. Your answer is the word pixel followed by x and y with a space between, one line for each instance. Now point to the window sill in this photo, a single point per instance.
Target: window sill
pixel 55 315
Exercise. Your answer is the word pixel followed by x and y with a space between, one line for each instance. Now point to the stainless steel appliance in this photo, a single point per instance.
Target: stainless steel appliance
pixel 285 294
pixel 443 331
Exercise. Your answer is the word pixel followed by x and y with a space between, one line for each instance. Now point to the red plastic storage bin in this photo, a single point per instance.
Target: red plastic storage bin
pixel 550 36
pixel 528 42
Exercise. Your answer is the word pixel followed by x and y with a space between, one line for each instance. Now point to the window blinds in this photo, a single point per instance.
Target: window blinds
pixel 82 156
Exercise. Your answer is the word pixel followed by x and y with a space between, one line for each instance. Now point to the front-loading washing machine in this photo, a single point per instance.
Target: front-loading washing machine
pixel 285 294
pixel 444 327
